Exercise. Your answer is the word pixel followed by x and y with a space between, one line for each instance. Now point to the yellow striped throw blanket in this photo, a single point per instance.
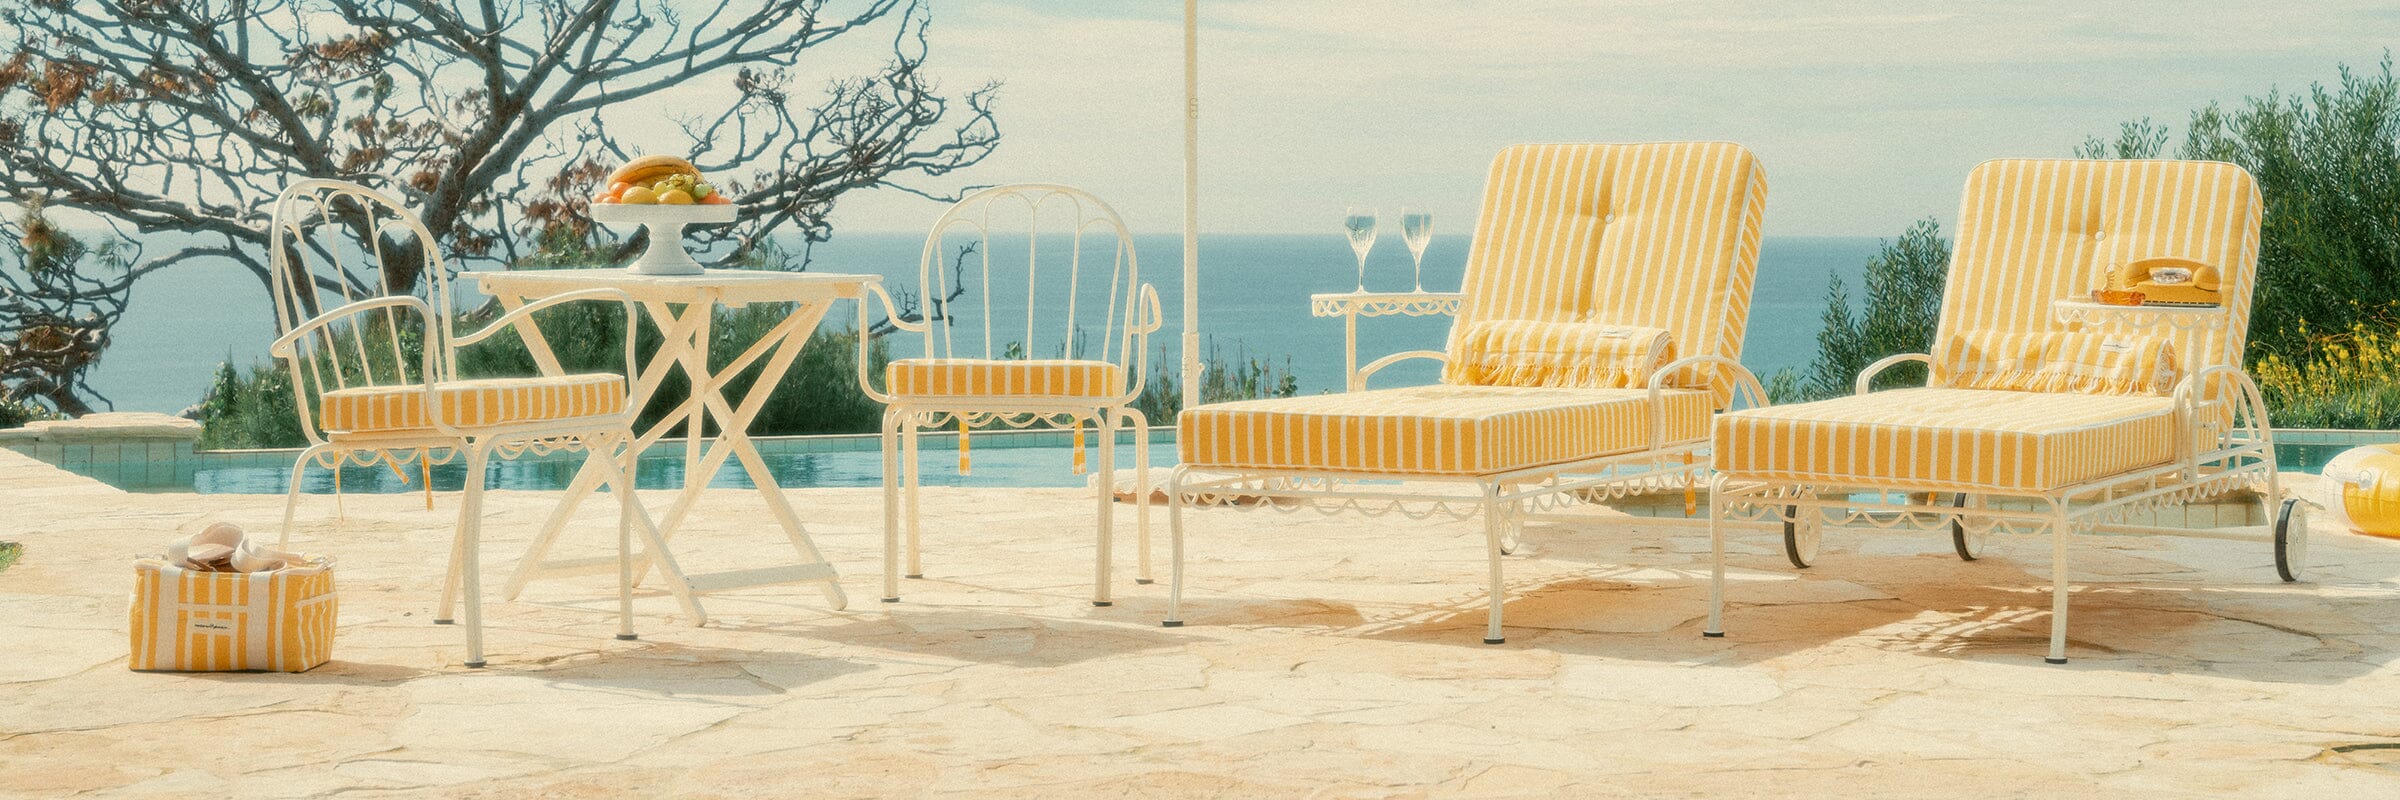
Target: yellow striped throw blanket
pixel 1577 355
pixel 2060 361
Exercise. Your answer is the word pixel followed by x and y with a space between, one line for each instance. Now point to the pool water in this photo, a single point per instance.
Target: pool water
pixel 1006 458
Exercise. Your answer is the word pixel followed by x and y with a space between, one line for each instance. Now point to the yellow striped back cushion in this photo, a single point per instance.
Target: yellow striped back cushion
pixel 1565 354
pixel 2034 231
pixel 1661 235
pixel 974 377
pixel 183 620
pixel 472 404
pixel 2061 361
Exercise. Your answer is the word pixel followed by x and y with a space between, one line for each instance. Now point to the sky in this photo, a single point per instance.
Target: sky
pixel 1867 115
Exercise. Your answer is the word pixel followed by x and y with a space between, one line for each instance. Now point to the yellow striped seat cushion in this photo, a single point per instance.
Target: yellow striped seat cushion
pixel 485 403
pixel 1432 430
pixel 1943 438
pixel 1586 355
pixel 971 377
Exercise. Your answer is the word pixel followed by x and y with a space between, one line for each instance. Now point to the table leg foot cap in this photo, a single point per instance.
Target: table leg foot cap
pixel 445 622
pixel 474 665
pixel 627 637
pixel 1501 640
pixel 1171 623
pixel 1144 581
pixel 2054 660
pixel 1102 603
pixel 916 577
pixel 1713 634
pixel 891 599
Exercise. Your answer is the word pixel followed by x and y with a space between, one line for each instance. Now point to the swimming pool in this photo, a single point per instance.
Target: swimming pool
pixel 1002 458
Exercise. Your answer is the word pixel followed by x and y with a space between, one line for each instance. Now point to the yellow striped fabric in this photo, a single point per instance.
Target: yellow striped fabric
pixel 1943 438
pixel 182 620
pixel 1570 354
pixel 472 404
pixel 2061 361
pixel 1432 430
pixel 973 377
pixel 2034 231
pixel 1661 235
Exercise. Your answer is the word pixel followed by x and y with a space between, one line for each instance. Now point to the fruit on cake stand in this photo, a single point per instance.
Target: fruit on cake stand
pixel 663 194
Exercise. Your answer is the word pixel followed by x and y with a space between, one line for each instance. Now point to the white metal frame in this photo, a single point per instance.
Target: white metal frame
pixel 683 308
pixel 2242 457
pixel 1351 306
pixel 1502 499
pixel 337 348
pixel 1132 315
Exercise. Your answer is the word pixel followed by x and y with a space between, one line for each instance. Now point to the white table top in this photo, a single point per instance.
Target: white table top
pixel 731 286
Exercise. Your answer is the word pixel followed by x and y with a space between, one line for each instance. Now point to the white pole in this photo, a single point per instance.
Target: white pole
pixel 1191 206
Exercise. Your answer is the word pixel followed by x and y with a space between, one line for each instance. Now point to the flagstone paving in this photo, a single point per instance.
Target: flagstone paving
pixel 1326 656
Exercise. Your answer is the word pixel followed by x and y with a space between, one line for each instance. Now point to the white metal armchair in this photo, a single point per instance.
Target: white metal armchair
pixel 362 298
pixel 974 370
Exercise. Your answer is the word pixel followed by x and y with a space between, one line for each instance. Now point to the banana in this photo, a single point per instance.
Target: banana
pixel 647 169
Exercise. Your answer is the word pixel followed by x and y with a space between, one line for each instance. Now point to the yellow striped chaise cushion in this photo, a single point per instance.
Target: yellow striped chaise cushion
pixel 971 377
pixel 1943 438
pixel 482 403
pixel 1432 430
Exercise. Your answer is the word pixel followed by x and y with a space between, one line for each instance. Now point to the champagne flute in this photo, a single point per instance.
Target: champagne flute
pixel 1359 222
pixel 1416 229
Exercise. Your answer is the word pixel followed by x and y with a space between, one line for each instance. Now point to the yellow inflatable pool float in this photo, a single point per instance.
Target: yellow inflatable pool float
pixel 2369 482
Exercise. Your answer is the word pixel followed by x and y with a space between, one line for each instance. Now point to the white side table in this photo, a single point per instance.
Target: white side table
pixel 2072 311
pixel 1352 305
pixel 683 306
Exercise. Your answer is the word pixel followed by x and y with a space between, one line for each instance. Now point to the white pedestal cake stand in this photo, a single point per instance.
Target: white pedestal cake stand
pixel 666 255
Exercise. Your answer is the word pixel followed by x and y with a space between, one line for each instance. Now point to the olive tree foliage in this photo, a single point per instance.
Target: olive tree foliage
pixel 1903 304
pixel 59 297
pixel 494 120
pixel 2327 162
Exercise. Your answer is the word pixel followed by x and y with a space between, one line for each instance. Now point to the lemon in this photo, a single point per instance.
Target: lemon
pixel 640 196
pixel 674 197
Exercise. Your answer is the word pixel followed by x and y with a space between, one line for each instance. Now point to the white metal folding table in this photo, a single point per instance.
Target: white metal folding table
pixel 683 307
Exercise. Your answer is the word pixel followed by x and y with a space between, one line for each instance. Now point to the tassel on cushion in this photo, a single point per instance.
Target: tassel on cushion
pixel 966 463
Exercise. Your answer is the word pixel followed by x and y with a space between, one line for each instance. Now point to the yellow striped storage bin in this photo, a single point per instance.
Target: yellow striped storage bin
pixel 472 404
pixel 974 377
pixel 279 620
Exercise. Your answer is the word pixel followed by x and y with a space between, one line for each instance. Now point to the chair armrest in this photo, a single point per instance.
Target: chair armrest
pixel 282 347
pixel 1866 377
pixel 1377 365
pixel 2206 386
pixel 1143 318
pixel 866 342
pixel 521 317
pixel 1743 381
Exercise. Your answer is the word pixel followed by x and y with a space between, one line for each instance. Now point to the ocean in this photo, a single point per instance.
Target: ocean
pixel 183 321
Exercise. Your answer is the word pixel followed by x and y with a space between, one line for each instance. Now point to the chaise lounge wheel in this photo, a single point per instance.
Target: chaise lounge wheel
pixel 2291 539
pixel 1968 544
pixel 1801 536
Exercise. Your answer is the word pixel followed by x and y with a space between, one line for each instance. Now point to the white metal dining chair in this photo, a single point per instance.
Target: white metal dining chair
pixel 979 363
pixel 362 300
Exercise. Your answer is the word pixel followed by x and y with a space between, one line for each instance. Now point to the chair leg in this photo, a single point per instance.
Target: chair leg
pixel 1141 492
pixel 291 495
pixel 1106 422
pixel 1495 521
pixel 470 531
pixel 447 614
pixel 2059 527
pixel 1174 548
pixel 910 511
pixel 891 506
pixel 621 484
pixel 1716 558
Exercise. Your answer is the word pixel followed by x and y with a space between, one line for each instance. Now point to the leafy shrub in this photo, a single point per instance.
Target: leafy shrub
pixel 1904 300
pixel 2345 380
pixel 1221 379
